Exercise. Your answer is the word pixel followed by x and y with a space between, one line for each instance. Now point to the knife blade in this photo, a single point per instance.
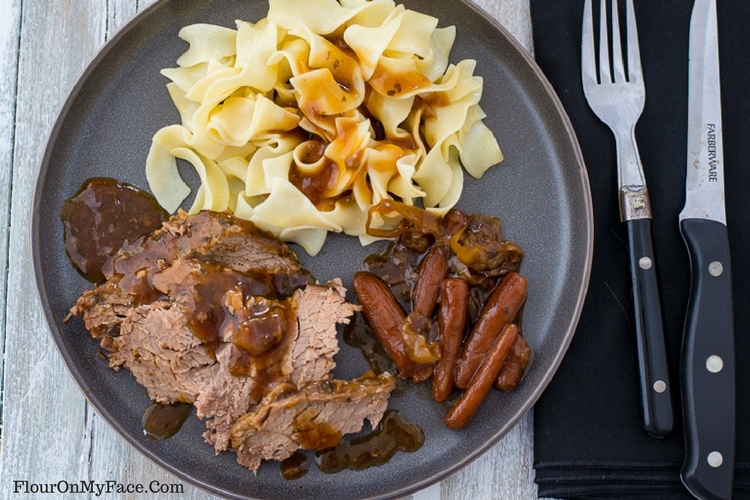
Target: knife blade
pixel 708 364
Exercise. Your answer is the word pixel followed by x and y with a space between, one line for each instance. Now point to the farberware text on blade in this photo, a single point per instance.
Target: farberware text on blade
pixel 708 381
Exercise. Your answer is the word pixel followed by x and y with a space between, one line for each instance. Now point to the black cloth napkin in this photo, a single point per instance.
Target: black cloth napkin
pixel 588 437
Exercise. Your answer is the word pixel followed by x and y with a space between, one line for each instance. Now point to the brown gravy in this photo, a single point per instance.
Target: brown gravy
pixel 394 433
pixel 163 420
pixel 295 466
pixel 101 217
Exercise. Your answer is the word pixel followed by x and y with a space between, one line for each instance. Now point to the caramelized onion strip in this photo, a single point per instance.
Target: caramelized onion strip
pixel 411 217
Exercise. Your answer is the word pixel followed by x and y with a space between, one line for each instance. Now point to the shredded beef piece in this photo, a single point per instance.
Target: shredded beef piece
pixel 210 237
pixel 319 309
pixel 174 310
pixel 314 417
pixel 165 357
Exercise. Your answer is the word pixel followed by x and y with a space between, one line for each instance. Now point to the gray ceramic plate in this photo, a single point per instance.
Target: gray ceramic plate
pixel 540 191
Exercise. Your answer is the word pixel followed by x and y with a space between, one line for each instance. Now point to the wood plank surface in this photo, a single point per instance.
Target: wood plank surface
pixel 39 397
pixel 10 29
pixel 49 432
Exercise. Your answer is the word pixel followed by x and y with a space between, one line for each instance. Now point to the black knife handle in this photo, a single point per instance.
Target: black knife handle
pixel 656 399
pixel 708 379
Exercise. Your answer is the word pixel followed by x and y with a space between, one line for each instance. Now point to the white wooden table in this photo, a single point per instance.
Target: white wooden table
pixel 49 432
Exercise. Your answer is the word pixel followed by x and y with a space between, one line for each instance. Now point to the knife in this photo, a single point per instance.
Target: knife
pixel 708 380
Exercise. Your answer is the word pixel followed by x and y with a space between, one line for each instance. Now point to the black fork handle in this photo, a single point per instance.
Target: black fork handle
pixel 656 399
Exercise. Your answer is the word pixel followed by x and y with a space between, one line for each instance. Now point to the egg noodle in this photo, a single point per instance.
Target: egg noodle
pixel 304 120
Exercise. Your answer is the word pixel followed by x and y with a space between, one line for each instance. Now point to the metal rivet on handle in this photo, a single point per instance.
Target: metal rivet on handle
pixel 715 459
pixel 660 386
pixel 715 268
pixel 645 263
pixel 714 363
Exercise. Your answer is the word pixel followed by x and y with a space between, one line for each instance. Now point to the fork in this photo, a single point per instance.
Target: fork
pixel 616 93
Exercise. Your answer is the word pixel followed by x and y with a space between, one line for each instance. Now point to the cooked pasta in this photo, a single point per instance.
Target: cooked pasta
pixel 303 121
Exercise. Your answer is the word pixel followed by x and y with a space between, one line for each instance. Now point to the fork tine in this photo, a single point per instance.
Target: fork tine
pixel 588 59
pixel 634 56
pixel 604 73
pixel 617 57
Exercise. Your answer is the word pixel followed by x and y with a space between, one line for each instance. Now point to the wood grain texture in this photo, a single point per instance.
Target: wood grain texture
pixel 10 29
pixel 49 431
pixel 38 394
pixel 514 15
